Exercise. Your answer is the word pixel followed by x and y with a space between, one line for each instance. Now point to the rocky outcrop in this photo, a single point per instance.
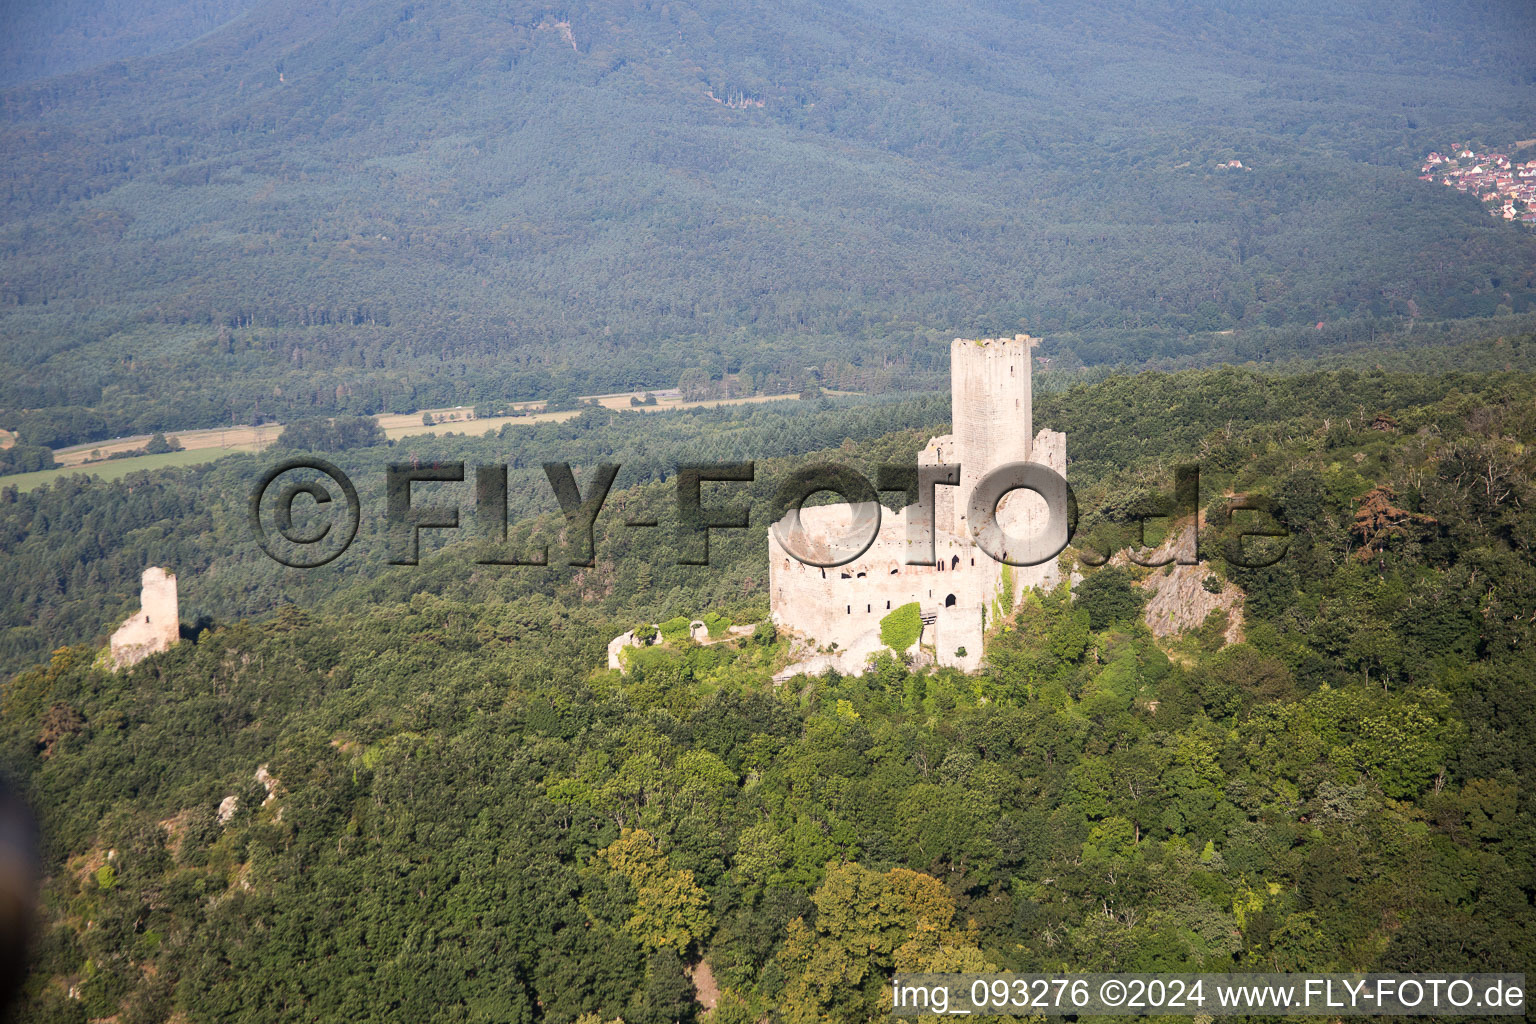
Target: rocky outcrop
pixel 850 662
pixel 1179 599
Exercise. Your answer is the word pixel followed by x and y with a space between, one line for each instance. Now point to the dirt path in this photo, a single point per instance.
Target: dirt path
pixel 704 988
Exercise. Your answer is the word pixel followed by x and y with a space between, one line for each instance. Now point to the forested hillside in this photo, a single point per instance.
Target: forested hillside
pixel 351 206
pixel 445 809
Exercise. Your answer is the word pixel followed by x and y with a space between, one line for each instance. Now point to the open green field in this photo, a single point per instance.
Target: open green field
pixel 114 469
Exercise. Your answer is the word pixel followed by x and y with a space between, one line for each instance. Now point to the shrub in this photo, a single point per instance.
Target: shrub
pixel 1110 596
pixel 675 630
pixel 717 625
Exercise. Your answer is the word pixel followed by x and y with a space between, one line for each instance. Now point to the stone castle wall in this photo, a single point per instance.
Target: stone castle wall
pixel 1024 514
pixel 843 605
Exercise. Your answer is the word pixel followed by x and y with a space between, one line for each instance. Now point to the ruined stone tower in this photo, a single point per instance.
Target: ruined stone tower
pixel 963 591
pixel 989 388
pixel 154 627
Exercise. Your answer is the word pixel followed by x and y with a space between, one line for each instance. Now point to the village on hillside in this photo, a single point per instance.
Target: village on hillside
pixel 1493 177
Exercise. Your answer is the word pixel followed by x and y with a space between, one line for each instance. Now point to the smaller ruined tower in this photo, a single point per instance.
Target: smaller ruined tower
pixel 155 626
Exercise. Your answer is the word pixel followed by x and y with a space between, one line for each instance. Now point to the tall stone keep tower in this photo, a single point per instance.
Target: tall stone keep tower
pixel 993 419
pixel 155 626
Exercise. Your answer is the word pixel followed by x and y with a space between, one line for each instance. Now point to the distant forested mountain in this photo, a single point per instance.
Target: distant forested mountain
pixel 39 38
pixel 319 206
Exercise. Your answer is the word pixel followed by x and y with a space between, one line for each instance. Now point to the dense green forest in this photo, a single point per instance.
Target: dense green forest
pixel 446 809
pixel 78 547
pixel 380 205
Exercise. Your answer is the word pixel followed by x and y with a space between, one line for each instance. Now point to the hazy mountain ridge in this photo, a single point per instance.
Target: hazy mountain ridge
pixel 42 39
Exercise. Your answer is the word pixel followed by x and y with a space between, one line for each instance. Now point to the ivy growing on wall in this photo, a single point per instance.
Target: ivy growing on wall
pixel 900 629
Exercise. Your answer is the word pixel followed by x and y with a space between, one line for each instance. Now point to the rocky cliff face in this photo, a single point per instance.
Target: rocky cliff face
pixel 1180 602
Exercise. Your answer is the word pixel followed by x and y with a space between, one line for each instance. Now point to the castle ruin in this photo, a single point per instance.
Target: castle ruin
pixel 963 589
pixel 154 627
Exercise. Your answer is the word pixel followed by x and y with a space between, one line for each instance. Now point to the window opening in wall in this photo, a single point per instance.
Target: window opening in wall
pixel 949 601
